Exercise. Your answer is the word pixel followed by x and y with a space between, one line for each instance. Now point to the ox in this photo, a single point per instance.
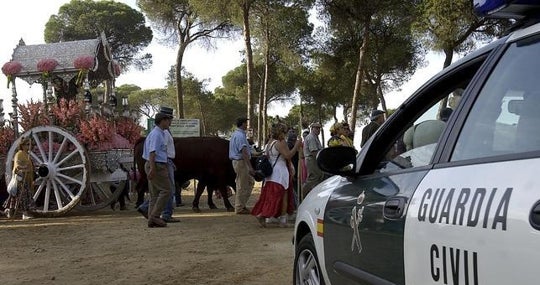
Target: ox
pixel 203 158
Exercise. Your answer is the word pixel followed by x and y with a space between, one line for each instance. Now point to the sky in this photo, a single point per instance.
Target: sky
pixel 204 64
pixel 19 21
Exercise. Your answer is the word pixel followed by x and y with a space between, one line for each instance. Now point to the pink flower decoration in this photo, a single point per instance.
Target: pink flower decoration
pixel 11 68
pixel 45 145
pixel 116 68
pixel 8 136
pixel 47 65
pixel 119 141
pixel 84 62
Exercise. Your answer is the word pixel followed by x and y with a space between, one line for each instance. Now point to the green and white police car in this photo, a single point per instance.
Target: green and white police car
pixel 457 204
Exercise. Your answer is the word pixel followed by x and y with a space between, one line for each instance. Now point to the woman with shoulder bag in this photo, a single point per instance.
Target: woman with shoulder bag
pixel 276 199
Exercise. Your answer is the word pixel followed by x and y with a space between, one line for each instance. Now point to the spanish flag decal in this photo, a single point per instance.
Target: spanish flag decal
pixel 320 227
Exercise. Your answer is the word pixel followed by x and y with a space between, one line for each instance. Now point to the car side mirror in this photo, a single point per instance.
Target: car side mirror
pixel 340 160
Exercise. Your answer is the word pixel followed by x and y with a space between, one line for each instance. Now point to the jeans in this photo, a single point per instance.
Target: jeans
pixel 168 210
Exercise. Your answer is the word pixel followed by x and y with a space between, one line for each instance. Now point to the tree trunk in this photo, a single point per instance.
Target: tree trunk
pixel 203 118
pixel 178 77
pixel 346 113
pixel 319 120
pixel 359 75
pixel 380 94
pixel 249 60
pixel 264 100
pixel 449 54
pixel 260 116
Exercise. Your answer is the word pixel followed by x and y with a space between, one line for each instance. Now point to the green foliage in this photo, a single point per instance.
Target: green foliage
pixel 369 50
pixel 217 113
pixel 308 113
pixel 126 89
pixel 451 26
pixel 229 10
pixel 234 84
pixel 314 87
pixel 148 101
pixel 86 19
pixel 181 25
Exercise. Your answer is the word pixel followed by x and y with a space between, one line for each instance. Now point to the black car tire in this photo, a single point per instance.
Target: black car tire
pixel 307 269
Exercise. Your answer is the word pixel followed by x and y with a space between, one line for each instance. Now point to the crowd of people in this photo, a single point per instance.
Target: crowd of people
pixel 293 158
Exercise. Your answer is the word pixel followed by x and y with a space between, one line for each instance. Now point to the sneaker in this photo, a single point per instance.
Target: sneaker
pixel 26 216
pixel 8 213
pixel 272 220
pixel 283 222
pixel 170 220
pixel 262 221
pixel 243 212
pixel 154 222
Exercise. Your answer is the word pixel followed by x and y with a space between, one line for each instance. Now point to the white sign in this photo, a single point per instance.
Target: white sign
pixel 181 128
pixel 185 128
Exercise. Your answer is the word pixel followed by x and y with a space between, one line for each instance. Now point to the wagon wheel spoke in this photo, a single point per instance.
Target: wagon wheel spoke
pixel 69 178
pixel 67 158
pixel 57 196
pixel 60 150
pixel 36 158
pixel 64 187
pixel 100 195
pixel 41 184
pixel 39 145
pixel 71 167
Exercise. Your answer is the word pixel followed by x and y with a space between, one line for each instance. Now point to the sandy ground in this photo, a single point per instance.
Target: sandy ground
pixel 117 247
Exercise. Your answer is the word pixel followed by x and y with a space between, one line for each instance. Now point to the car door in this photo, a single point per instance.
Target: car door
pixel 364 220
pixel 475 218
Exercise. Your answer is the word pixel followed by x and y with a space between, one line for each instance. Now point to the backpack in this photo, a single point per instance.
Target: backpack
pixel 263 165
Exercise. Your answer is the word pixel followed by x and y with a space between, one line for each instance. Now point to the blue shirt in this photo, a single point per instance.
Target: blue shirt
pixel 237 143
pixel 155 142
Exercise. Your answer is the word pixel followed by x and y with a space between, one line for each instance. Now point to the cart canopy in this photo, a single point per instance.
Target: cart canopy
pixel 65 54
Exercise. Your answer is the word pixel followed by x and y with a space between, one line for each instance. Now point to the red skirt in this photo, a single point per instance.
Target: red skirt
pixel 270 203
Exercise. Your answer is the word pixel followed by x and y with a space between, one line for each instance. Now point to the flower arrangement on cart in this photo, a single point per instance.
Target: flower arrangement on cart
pixel 81 147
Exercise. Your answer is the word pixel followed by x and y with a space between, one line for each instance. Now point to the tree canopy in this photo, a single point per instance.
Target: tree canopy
pixel 180 23
pixel 124 27
pixel 362 50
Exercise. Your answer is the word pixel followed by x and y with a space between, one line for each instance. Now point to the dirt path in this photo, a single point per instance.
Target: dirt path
pixel 116 247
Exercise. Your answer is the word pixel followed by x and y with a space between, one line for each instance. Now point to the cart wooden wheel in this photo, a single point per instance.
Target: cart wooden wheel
pixel 62 169
pixel 100 195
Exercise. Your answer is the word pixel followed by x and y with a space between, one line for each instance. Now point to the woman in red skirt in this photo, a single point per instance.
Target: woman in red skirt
pixel 276 199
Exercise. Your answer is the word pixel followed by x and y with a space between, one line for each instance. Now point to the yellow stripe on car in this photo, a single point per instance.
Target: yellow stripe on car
pixel 320 228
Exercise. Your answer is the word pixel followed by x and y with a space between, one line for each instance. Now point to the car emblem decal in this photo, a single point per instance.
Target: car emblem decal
pixel 356 218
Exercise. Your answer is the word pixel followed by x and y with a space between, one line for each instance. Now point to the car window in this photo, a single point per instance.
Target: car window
pixel 505 118
pixel 387 152
pixel 419 139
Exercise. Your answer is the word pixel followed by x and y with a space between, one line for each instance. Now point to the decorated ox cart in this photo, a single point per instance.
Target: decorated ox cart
pixel 81 144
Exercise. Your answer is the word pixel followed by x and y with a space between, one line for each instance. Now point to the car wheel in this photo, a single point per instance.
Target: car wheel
pixel 307 270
